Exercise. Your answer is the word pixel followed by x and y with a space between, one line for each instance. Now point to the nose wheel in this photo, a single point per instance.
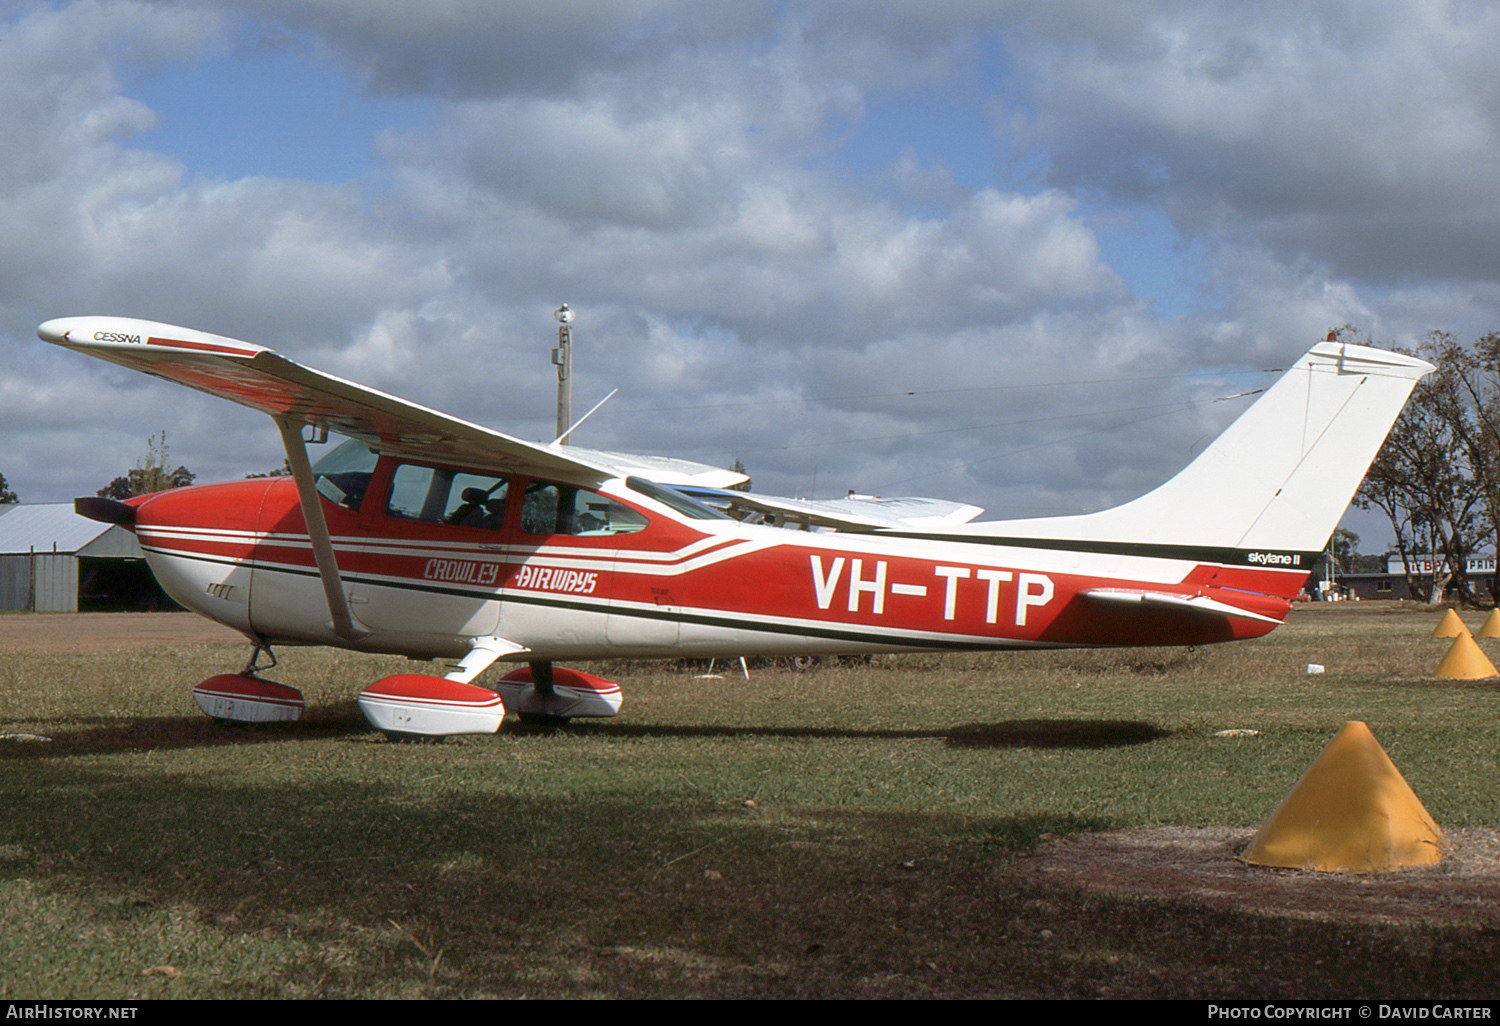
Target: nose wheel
pixel 246 697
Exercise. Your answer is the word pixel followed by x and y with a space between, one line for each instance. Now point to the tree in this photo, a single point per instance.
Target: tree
pixel 149 475
pixel 285 470
pixel 1437 477
pixel 6 495
pixel 1339 556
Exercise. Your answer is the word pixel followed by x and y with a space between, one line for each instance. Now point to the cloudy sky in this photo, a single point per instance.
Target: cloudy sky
pixel 1014 253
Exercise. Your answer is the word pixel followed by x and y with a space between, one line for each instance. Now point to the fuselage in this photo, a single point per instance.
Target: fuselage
pixel 433 557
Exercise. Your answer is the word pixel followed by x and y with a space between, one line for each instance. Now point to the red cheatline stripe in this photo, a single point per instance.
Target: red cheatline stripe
pixel 203 347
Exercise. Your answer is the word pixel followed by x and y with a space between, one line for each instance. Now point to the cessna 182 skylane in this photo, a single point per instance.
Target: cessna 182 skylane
pixel 428 536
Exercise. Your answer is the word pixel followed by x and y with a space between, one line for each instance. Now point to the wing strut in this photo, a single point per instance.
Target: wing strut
pixel 344 623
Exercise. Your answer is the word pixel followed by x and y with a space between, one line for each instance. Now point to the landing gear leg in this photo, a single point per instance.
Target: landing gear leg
pixel 545 695
pixel 542 682
pixel 253 665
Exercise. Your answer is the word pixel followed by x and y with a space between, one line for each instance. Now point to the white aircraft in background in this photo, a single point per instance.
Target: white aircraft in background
pixel 428 536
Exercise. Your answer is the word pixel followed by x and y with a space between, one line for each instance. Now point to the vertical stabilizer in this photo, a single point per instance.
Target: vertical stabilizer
pixel 1280 477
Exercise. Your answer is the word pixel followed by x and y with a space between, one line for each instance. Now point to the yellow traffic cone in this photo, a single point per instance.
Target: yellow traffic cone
pixel 1465 660
pixel 1352 810
pixel 1450 626
pixel 1491 626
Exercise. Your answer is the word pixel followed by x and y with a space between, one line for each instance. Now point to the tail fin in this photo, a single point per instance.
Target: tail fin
pixel 1280 477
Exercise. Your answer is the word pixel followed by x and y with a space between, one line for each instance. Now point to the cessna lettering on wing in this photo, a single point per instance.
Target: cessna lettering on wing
pixel 546 578
pixel 115 336
pixel 1031 590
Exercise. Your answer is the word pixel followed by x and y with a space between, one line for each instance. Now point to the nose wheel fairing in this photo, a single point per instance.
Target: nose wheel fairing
pixel 244 698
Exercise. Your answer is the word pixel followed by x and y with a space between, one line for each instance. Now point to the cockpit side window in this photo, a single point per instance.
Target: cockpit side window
pixel 563 509
pixel 343 475
pixel 458 498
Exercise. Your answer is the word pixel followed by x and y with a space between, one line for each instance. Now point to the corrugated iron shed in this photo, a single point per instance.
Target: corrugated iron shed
pixel 40 550
pixel 54 527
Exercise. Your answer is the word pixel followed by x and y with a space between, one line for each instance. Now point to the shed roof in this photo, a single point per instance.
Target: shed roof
pixel 54 527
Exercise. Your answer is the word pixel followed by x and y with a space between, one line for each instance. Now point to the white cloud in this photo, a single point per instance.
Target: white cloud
pixel 1358 135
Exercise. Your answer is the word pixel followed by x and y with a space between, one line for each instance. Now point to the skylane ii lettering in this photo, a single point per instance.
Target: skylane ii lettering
pixel 1275 559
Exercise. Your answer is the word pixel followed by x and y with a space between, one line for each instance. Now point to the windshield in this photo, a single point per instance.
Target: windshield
pixel 688 507
pixel 343 474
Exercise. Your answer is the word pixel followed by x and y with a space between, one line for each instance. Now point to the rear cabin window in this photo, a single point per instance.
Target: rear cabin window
pixel 563 509
pixel 457 498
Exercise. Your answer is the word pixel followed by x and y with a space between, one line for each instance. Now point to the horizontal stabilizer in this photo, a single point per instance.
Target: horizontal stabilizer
pixel 1200 604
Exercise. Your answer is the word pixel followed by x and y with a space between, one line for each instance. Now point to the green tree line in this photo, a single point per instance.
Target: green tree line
pixel 1437 477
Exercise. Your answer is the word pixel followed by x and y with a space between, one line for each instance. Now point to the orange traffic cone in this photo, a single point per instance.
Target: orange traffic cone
pixel 1465 660
pixel 1450 626
pixel 1352 810
pixel 1491 626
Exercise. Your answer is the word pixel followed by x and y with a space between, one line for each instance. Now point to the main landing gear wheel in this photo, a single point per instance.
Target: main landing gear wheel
pixel 545 691
pixel 398 738
pixel 413 707
pixel 543 695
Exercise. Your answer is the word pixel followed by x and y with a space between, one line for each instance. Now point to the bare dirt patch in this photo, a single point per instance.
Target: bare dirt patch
pixel 85 633
pixel 1200 865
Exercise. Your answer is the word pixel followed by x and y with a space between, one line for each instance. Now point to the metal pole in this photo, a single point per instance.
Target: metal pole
pixel 563 357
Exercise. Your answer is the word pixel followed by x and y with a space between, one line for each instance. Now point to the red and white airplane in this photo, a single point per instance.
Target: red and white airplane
pixel 428 536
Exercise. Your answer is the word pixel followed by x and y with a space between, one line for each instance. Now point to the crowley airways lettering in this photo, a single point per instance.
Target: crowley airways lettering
pixel 1215 554
pixel 1032 590
pixel 461 571
pixel 547 578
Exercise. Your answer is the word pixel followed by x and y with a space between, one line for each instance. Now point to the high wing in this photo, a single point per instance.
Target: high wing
pixel 263 380
pixel 864 513
pixel 667 470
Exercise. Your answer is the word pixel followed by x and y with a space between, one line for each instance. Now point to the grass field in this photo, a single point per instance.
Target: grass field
pixel 863 831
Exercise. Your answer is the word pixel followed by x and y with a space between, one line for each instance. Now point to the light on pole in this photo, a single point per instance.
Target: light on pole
pixel 562 356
